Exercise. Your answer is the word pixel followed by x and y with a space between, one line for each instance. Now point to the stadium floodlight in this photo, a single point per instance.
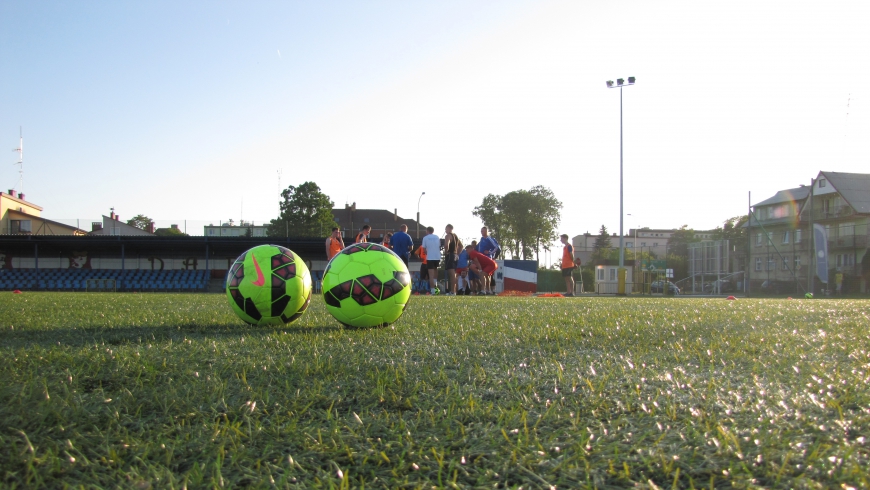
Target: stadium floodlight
pixel 619 84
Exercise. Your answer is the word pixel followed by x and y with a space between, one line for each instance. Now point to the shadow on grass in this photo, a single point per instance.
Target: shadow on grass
pixel 81 336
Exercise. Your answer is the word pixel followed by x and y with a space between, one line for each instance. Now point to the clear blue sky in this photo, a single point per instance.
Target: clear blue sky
pixel 188 110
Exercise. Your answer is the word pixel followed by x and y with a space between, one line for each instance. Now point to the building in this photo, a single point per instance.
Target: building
pixel 641 240
pixel 113 226
pixel 244 228
pixel 19 217
pixel 779 237
pixel 351 220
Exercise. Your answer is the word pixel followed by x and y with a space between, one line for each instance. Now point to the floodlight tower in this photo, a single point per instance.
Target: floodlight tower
pixel 619 84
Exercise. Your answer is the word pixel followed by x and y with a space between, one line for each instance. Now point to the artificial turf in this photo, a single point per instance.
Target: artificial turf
pixel 172 391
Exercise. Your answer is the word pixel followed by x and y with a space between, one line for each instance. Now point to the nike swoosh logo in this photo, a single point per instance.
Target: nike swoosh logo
pixel 260 279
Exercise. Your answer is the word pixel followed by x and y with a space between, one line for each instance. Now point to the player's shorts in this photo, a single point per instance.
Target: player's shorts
pixel 450 261
pixel 567 272
pixel 432 264
pixel 490 269
pixel 460 270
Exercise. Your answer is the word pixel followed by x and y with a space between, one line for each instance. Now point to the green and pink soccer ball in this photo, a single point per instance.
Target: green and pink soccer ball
pixel 269 285
pixel 366 285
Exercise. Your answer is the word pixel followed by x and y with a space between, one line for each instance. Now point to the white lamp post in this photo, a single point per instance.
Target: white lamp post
pixel 418 214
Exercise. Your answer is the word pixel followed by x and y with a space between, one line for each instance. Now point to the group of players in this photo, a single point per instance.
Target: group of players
pixel 469 268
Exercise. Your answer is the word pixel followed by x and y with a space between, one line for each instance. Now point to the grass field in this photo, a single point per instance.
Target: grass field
pixel 171 390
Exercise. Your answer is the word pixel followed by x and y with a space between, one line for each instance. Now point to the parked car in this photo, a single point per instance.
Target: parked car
pixel 720 286
pixel 658 287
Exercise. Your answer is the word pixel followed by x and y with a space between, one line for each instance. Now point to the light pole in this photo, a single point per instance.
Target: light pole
pixel 538 248
pixel 619 84
pixel 418 214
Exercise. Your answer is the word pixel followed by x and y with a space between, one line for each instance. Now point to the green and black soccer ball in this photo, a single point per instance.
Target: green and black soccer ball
pixel 366 285
pixel 269 285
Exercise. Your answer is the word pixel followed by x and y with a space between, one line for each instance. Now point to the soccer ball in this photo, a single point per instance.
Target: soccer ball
pixel 366 285
pixel 269 285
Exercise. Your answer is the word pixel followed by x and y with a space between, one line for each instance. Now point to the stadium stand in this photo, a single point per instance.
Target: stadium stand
pixel 124 280
pixel 143 264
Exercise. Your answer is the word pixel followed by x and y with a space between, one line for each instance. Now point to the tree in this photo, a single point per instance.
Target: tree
pixel 678 243
pixel 733 230
pixel 305 211
pixel 521 219
pixel 602 248
pixel 140 221
pixel 174 231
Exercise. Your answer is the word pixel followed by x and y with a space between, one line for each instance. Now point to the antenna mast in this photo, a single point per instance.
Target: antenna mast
pixel 20 161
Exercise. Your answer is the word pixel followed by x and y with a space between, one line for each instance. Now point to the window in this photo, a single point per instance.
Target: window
pixel 786 236
pixel 770 213
pixel 797 236
pixel 771 263
pixel 612 274
pixel 655 244
pixel 601 274
pixel 797 262
pixel 629 244
pixel 757 263
pixel 823 183
pixel 785 262
pixel 643 244
pixel 847 229
pixel 20 226
pixel 758 238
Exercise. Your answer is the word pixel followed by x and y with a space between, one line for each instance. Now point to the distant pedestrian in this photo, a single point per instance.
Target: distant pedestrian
pixel 386 241
pixel 568 265
pixel 363 235
pixel 432 244
pixel 334 244
pixel 402 243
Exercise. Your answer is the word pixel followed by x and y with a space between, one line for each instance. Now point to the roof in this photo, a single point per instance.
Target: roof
pixel 798 194
pixel 19 214
pixel 376 218
pixel 854 188
pixel 120 227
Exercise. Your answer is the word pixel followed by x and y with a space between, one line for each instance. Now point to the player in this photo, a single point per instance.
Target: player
pixel 484 267
pixel 386 241
pixel 452 246
pixel 489 247
pixel 432 244
pixel 423 284
pixel 463 282
pixel 568 265
pixel 363 236
pixel 334 244
pixel 402 243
